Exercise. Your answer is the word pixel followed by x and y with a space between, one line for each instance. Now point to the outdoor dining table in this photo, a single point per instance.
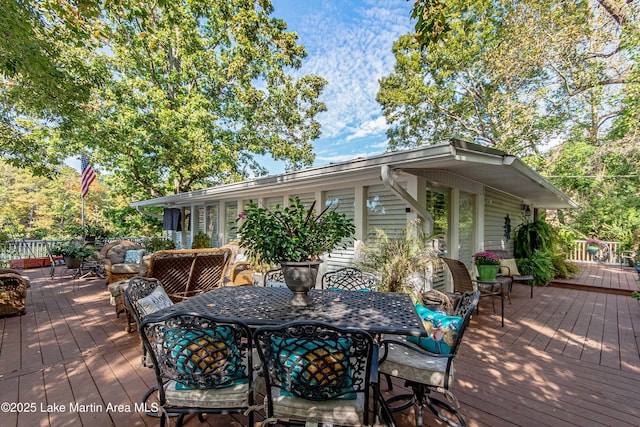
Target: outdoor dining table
pixel 375 312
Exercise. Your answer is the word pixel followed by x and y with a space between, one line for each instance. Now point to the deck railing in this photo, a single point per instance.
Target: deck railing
pixel 26 249
pixel 611 253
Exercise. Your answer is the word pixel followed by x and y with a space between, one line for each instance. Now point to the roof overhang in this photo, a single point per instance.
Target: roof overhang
pixel 484 165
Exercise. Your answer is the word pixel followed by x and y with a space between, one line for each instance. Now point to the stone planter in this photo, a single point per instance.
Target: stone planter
pixel 487 273
pixel 300 278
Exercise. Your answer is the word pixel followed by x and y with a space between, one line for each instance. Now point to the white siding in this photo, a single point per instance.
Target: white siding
pixel 274 202
pixel 497 206
pixel 230 216
pixel 344 202
pixel 212 225
pixel 385 211
pixel 307 200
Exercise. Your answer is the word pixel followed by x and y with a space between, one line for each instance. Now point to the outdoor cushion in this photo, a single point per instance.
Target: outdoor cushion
pixel 156 300
pixel 314 369
pixel 133 256
pixel 402 362
pixel 125 268
pixel 442 330
pixel 237 395
pixel 508 267
pixel 211 353
pixel 334 411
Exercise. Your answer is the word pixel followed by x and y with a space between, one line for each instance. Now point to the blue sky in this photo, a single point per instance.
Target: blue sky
pixel 349 44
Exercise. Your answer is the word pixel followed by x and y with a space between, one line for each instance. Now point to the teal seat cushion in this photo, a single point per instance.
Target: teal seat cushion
pixel 211 354
pixel 442 330
pixel 313 369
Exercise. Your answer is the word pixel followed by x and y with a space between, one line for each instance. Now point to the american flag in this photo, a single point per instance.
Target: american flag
pixel 87 175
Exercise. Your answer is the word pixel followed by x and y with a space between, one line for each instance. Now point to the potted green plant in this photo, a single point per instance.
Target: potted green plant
pixel 487 264
pixel 73 253
pixel 201 240
pixel 293 237
pixel 155 243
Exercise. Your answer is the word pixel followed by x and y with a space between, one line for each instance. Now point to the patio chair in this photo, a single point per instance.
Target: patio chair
pixel 13 292
pixel 274 279
pixel 350 279
pixel 136 291
pixel 425 371
pixel 118 265
pixel 463 282
pixel 316 373
pixel 202 365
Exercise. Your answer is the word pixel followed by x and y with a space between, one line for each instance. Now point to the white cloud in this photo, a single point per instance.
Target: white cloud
pixel 372 127
pixel 349 44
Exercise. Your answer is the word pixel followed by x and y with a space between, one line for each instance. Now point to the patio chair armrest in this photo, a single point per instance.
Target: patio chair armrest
pixel 413 347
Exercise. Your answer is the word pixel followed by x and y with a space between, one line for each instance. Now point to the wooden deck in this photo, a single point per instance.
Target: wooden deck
pixel 567 357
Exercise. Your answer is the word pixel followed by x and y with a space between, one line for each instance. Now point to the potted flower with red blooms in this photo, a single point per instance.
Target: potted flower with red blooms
pixel 487 264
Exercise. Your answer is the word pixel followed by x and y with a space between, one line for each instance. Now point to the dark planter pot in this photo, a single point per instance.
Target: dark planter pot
pixel 591 249
pixel 487 273
pixel 71 262
pixel 300 278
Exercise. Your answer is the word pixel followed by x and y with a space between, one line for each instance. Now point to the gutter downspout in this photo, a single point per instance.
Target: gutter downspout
pixel 386 174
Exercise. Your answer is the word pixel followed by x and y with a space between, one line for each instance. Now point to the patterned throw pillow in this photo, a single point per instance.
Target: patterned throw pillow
pixel 211 355
pixel 442 330
pixel 314 369
pixel 156 300
pixel 133 256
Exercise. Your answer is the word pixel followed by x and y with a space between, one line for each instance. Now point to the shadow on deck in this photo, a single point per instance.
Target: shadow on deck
pixel 567 357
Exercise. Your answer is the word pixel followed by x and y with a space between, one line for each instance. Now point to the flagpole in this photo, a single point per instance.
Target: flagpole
pixel 82 197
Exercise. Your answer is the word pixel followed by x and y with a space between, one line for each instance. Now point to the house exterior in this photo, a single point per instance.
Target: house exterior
pixel 467 196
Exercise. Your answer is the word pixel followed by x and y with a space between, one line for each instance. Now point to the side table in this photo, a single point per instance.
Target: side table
pixel 492 288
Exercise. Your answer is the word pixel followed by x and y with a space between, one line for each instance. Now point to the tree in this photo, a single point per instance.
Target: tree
pixel 196 90
pixel 510 74
pixel 43 80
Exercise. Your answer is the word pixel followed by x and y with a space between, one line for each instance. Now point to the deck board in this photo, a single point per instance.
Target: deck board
pixel 567 357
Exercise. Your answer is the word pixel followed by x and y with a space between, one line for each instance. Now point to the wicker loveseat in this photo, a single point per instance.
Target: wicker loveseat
pixel 113 256
pixel 13 292
pixel 187 272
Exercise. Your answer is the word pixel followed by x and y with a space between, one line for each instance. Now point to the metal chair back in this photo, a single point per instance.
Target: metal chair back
pixel 312 361
pixel 350 279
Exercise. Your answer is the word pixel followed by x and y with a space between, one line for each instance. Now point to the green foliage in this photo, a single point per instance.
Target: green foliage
pixel 193 91
pixel 562 268
pixel 541 252
pixel 155 243
pixel 395 259
pixel 603 181
pixel 294 233
pixel 73 249
pixel 509 74
pixel 540 265
pixel 44 80
pixel 534 236
pixel 201 240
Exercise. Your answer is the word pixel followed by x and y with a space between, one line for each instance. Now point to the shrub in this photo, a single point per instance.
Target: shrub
pixel 201 240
